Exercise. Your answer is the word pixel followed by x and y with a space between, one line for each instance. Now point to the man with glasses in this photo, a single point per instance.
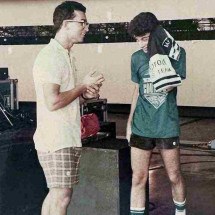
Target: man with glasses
pixel 58 134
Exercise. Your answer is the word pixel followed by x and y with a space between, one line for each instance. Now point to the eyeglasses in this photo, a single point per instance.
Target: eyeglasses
pixel 83 22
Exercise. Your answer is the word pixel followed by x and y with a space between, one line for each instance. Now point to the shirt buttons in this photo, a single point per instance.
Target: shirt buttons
pixel 68 173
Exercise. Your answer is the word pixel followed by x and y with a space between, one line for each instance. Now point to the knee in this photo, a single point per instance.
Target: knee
pixel 62 197
pixel 65 197
pixel 139 179
pixel 175 177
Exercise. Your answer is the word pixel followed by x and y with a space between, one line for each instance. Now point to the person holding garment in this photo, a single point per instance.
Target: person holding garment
pixel 156 70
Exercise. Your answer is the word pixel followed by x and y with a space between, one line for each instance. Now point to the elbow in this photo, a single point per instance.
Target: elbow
pixel 51 109
pixel 55 103
pixel 52 106
pixel 52 102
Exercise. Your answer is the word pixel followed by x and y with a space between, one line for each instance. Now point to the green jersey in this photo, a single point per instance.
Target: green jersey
pixel 156 113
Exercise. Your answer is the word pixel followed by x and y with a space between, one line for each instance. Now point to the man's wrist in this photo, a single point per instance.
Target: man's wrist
pixel 85 98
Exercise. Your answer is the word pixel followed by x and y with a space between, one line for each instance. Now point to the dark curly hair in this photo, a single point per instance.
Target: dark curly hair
pixel 143 23
pixel 66 11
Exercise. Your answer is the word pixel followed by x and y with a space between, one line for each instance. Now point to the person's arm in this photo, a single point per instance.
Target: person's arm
pixel 55 99
pixel 133 106
pixel 91 93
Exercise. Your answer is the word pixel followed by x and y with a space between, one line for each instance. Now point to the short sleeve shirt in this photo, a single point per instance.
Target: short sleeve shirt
pixel 60 128
pixel 156 114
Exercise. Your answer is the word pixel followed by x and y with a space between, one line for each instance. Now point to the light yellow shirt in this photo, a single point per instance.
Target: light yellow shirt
pixel 61 128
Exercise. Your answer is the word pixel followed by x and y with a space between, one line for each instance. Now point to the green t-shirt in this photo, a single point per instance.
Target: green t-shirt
pixel 156 114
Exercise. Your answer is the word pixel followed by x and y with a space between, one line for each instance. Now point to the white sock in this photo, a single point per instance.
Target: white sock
pixel 180 207
pixel 137 211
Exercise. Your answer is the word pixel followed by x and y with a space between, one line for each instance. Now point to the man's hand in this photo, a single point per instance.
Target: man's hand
pixel 89 80
pixel 92 91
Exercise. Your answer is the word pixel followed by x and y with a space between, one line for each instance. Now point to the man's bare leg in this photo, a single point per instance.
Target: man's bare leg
pixel 140 160
pixel 59 200
pixel 46 206
pixel 171 158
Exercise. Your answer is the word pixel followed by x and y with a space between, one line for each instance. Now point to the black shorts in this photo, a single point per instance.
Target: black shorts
pixel 147 143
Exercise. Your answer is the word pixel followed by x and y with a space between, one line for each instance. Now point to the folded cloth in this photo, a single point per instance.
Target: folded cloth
pixel 161 48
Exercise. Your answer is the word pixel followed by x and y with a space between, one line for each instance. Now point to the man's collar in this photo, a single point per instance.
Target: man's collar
pixel 58 45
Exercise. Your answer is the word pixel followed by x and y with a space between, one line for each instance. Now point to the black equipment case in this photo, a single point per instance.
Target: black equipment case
pixel 97 106
pixel 9 94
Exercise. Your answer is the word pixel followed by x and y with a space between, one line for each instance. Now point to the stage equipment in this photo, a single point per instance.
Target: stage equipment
pixel 105 179
pixel 9 94
pixel 97 106
pixel 4 73
pixel 8 98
